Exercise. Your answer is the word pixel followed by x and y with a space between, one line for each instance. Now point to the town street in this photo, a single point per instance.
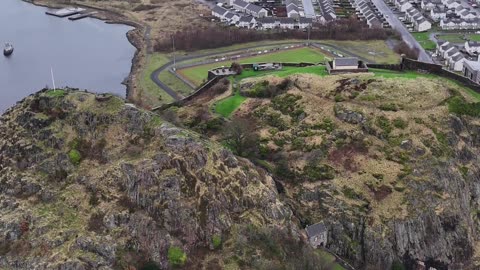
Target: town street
pixel 398 25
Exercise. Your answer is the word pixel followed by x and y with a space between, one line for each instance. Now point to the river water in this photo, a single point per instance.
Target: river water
pixel 87 54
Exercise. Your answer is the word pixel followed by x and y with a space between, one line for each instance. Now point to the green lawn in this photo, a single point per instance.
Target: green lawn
pixel 284 72
pixel 151 93
pixel 373 50
pixel 413 75
pixel 227 106
pixel 175 83
pixel 199 73
pixel 454 37
pixel 424 39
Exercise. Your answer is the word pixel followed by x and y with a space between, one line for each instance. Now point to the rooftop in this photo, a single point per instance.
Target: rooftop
pixel 346 61
pixel 315 229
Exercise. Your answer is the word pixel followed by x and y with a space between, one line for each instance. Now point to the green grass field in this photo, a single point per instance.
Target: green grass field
pixel 373 50
pixel 199 73
pixel 424 39
pixel 284 72
pixel 227 106
pixel 151 93
pixel 459 37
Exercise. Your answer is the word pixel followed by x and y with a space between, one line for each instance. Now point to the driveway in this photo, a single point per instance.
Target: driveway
pixel 398 25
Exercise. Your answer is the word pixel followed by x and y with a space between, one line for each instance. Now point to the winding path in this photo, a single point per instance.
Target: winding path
pixel 155 74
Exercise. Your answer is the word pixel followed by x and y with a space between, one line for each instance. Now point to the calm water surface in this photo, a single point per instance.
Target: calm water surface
pixel 87 54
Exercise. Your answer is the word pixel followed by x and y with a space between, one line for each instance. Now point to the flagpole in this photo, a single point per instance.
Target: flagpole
pixel 53 79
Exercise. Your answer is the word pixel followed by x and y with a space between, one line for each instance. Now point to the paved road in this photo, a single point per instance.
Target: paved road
pixel 398 25
pixel 174 94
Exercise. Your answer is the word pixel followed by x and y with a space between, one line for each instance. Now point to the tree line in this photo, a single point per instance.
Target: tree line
pixel 196 38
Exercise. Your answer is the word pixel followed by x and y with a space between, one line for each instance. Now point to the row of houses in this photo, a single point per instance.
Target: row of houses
pixel 263 23
pixel 368 11
pixel 249 8
pixel 451 14
pixel 327 12
pixel 459 24
pixel 420 23
pixel 283 23
pixel 453 58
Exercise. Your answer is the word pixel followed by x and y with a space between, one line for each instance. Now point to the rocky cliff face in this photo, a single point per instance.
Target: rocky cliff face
pixel 90 182
pixel 384 162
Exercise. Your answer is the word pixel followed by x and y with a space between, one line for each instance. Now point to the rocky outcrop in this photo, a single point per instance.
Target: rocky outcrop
pixel 97 184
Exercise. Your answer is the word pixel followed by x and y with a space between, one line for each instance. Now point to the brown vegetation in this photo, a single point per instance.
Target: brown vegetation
pixel 403 48
pixel 195 38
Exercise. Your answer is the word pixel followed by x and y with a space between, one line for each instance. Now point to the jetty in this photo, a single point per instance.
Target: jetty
pixel 81 15
pixel 65 12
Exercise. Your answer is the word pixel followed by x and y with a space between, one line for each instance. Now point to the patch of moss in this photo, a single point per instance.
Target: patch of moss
pixel 176 256
pixel 75 156
pixel 216 241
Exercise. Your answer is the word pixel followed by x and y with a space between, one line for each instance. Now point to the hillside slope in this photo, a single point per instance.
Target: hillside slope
pixel 389 161
pixel 89 182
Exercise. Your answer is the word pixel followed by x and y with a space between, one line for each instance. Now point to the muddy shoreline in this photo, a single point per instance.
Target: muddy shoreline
pixel 136 37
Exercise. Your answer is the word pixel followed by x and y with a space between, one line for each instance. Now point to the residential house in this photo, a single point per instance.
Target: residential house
pixel 472 47
pixel 247 22
pixel 422 24
pixel 231 17
pixel 293 8
pixel 467 14
pixel 455 62
pixel 240 5
pixel 267 23
pixel 403 5
pixel 471 70
pixel 219 12
pixel 442 45
pixel 452 4
pixel 286 23
pixel 317 235
pixel 449 54
pixel 428 5
pixel 304 22
pixel 438 13
pixel 256 11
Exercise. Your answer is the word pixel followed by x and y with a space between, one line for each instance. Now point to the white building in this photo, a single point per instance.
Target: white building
pixel 472 47
pixel 438 13
pixel 471 70
pixel 455 62
pixel 422 25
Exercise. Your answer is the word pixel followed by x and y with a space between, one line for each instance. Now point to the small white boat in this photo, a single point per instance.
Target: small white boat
pixel 8 49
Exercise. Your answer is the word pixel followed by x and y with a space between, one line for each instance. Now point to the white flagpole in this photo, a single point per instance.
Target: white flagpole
pixel 53 79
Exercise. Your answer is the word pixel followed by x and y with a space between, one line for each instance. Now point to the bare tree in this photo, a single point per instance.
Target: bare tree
pixel 240 136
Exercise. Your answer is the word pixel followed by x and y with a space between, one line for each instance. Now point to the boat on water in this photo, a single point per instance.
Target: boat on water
pixel 8 49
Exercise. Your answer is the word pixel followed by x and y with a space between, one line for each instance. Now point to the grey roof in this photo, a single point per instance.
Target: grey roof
pixel 285 20
pixel 230 15
pixel 305 20
pixel 473 43
pixel 254 8
pixel 315 229
pixel 219 10
pixel 458 57
pixel 452 52
pixel 472 65
pixel 266 20
pixel 246 19
pixel 240 3
pixel 346 61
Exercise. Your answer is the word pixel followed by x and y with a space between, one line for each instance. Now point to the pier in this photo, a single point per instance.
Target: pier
pixel 81 16
pixel 65 12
